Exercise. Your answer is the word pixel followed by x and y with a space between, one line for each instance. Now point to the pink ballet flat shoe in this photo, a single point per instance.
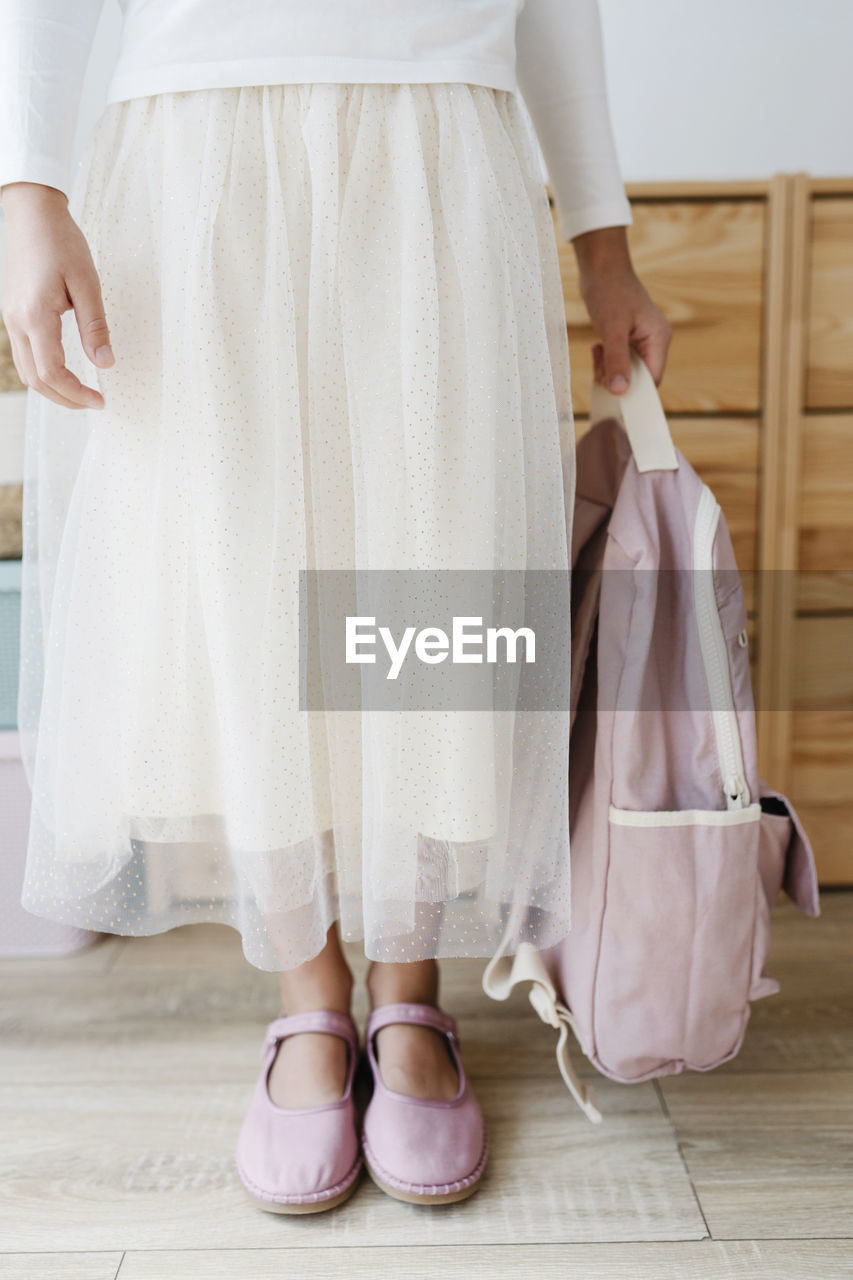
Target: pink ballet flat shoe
pixel 302 1159
pixel 417 1149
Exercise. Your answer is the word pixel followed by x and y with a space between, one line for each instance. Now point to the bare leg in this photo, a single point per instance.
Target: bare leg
pixel 310 1068
pixel 413 1060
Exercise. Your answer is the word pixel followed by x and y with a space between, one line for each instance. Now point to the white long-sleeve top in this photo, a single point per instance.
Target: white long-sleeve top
pixel 549 50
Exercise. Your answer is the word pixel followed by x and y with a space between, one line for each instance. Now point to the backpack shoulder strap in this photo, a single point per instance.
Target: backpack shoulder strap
pixel 641 413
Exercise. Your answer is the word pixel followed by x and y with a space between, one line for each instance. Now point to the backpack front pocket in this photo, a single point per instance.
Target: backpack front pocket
pixel 675 957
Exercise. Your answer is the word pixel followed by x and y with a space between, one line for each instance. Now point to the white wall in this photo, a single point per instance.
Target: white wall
pixel 730 88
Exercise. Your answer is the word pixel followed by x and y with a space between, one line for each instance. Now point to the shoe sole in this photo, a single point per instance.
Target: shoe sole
pixel 419 1197
pixel 311 1206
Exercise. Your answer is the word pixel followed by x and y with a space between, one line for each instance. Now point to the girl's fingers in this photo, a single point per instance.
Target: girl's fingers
pixel 53 378
pixel 598 362
pixel 616 357
pixel 24 363
pixel 32 379
pixel 653 347
pixel 85 294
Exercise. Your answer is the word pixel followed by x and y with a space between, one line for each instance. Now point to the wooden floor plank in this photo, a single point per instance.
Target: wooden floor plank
pixel 197 1024
pixel 98 957
pixel 770 1155
pixel 59 1266
pixel 126 1070
pixel 199 946
pixel 144 1167
pixel 702 1260
pixel 189 1006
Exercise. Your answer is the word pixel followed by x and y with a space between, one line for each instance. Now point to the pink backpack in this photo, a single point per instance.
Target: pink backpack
pixel 678 847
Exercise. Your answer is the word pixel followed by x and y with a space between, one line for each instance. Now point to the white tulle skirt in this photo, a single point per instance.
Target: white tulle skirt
pixel 340 343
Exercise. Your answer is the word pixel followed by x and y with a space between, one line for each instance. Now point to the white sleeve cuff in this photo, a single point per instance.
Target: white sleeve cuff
pixel 29 167
pixel 574 222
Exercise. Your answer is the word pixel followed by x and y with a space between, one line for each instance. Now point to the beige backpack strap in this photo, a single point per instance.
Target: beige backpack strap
pixel 641 413
pixel 503 973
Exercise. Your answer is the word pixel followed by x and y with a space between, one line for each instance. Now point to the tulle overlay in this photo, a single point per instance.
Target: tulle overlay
pixel 340 342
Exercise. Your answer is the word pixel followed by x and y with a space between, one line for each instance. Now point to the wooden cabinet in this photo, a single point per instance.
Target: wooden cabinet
pixel 757 281
pixel 821 352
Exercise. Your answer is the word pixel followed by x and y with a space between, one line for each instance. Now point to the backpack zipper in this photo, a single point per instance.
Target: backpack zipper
pixel 715 654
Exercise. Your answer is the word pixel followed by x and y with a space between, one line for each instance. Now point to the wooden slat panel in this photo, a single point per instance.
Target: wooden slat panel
pixel 830 830
pixel 829 366
pixel 821 776
pixel 701 261
pixel 822 763
pixel 823 662
pixel 829 186
pixel 826 488
pixel 821 592
pixel 826 512
pixel 701 189
pixel 785 276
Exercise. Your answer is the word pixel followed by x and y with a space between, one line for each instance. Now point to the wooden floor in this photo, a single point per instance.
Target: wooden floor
pixel 125 1070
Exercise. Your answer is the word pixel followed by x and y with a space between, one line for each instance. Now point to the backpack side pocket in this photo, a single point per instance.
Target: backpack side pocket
pixel 675 959
pixel 785 861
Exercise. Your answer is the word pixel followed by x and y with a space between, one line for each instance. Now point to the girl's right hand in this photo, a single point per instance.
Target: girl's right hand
pixel 48 269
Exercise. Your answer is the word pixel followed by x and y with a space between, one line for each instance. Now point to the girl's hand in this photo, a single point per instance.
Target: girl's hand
pixel 622 313
pixel 48 269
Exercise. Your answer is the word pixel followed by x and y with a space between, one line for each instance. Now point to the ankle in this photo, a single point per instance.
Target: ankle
pixel 301 994
pixel 415 983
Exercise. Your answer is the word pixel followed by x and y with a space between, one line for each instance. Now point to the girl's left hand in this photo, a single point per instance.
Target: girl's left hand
pixel 624 316
pixel 622 313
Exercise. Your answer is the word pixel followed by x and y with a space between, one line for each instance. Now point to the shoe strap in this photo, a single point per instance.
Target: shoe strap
pixel 338 1024
pixel 425 1015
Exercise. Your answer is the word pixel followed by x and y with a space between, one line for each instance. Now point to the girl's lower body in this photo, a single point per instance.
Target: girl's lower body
pixel 340 341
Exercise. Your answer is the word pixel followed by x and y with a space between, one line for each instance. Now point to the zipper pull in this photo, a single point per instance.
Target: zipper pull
pixel 737 792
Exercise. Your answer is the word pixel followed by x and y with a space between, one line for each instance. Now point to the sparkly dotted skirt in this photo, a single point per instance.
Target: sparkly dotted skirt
pixel 340 342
